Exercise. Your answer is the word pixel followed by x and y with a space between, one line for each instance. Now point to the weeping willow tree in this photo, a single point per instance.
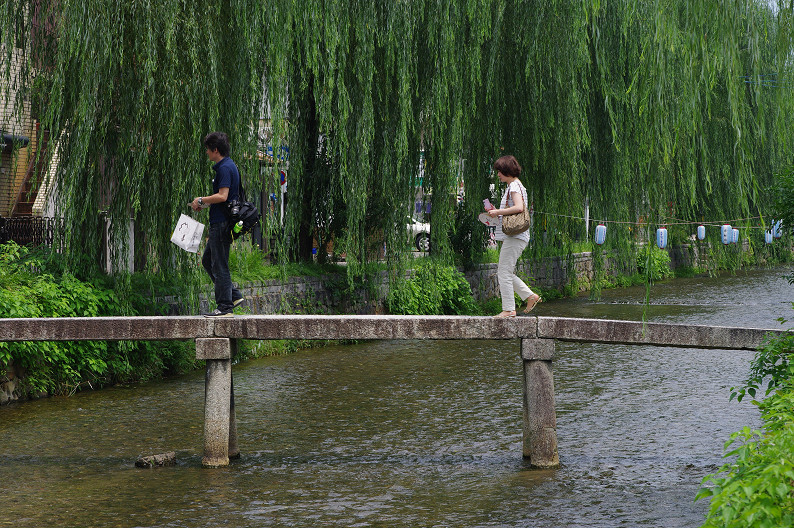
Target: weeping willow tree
pixel 659 111
pixel 128 90
pixel 687 116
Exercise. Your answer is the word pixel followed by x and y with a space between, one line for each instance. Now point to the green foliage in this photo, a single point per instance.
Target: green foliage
pixel 249 264
pixel 688 272
pixel 772 363
pixel 468 238
pixel 783 192
pixel 490 256
pixel 548 294
pixel 624 281
pixel 644 109
pixel 756 489
pixel 28 288
pixel 432 289
pixel 573 248
pixel 654 263
pixel 490 306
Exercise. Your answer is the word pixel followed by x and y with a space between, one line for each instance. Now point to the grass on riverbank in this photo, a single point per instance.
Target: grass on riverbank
pixel 248 264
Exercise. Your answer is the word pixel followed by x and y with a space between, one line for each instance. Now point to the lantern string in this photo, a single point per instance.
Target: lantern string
pixel 677 221
pixel 716 222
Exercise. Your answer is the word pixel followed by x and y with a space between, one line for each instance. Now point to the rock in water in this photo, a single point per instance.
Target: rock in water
pixel 164 459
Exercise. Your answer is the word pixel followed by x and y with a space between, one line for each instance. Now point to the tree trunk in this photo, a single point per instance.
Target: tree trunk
pixel 306 197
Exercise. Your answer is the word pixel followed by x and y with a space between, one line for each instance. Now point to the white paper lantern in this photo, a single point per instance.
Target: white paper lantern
pixel 768 237
pixel 734 236
pixel 600 234
pixel 727 233
pixel 701 232
pixel 661 237
pixel 778 229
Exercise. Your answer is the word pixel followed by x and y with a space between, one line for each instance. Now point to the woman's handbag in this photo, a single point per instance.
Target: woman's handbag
pixel 515 224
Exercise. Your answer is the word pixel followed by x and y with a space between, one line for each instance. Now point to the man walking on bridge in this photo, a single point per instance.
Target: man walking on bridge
pixel 225 186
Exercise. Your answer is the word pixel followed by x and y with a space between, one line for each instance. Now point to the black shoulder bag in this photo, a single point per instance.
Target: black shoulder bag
pixel 243 215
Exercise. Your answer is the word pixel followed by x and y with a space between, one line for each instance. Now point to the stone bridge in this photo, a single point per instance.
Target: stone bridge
pixel 216 342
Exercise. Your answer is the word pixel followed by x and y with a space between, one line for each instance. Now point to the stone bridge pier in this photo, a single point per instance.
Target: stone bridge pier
pixel 220 422
pixel 540 416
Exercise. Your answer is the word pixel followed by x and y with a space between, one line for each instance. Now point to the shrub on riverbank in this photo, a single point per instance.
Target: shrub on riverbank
pixel 33 284
pixel 757 488
pixel 432 289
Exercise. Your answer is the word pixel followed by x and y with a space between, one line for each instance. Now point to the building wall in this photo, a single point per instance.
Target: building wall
pixel 17 121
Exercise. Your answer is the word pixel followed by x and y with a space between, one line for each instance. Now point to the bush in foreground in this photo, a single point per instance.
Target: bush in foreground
pixel 32 284
pixel 756 489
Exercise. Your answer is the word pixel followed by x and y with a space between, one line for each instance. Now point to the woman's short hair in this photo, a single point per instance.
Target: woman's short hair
pixel 508 165
pixel 217 140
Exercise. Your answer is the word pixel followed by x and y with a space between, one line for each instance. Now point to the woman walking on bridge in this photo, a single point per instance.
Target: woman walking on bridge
pixel 514 201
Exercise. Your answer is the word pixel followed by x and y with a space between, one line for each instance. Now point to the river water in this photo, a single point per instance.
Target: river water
pixel 408 434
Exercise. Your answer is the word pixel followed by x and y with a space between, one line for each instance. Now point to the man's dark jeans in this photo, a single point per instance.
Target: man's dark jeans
pixel 216 262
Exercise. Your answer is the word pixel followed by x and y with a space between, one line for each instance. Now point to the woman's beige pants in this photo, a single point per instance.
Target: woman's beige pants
pixel 509 283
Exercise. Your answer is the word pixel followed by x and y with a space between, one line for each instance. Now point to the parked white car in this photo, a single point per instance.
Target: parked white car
pixel 420 234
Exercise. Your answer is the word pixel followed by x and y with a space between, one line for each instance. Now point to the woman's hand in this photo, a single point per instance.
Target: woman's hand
pixel 517 208
pixel 493 213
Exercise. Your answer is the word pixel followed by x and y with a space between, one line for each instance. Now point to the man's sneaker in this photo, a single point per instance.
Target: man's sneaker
pixel 238 302
pixel 219 313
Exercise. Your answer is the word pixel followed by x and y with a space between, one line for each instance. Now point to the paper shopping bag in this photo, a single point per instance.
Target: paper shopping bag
pixel 187 234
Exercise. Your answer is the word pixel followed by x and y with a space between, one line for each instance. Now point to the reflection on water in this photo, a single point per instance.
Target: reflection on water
pixel 413 433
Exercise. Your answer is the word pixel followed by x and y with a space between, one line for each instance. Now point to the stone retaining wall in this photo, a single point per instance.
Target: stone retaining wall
pixel 547 273
pixel 324 294
pixel 309 295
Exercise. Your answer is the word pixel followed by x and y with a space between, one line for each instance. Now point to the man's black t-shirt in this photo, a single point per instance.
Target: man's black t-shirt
pixel 226 175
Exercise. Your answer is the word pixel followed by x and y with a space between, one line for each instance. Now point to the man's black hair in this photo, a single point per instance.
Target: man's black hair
pixel 218 140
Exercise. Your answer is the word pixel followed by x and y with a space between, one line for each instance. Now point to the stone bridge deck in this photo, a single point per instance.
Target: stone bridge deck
pixel 365 327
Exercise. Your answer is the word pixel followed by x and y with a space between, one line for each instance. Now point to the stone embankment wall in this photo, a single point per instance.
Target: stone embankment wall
pixel 547 273
pixel 309 295
pixel 324 294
